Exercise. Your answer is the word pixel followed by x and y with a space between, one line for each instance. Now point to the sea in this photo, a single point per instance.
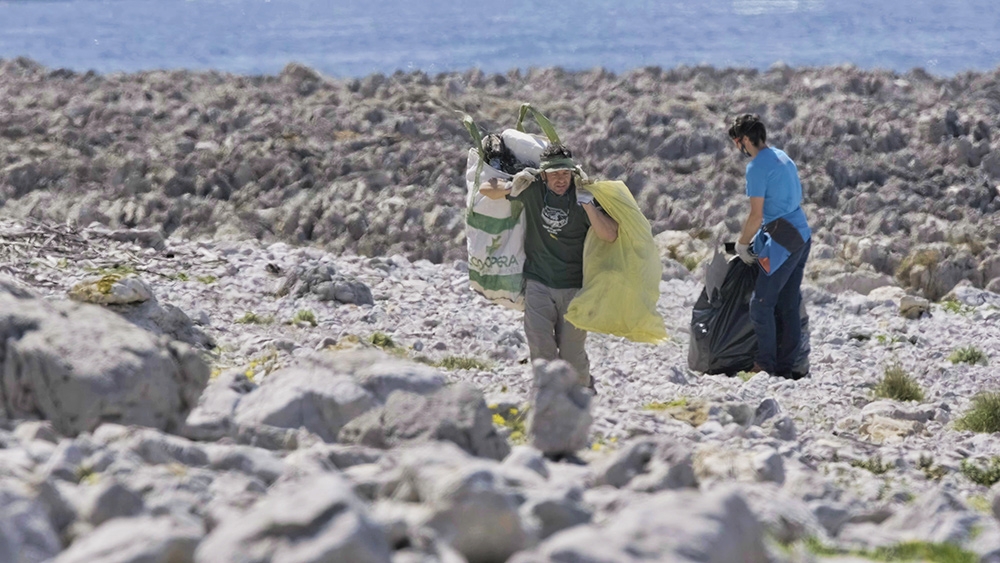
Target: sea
pixel 354 38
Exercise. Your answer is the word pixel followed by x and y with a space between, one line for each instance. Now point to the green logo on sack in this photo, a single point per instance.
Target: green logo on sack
pixel 495 245
pixel 480 264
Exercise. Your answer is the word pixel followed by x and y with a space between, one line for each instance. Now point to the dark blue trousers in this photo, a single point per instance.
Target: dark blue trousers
pixel 774 312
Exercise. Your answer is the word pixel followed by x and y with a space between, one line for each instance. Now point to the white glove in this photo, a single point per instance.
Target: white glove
pixel 581 176
pixel 522 180
pixel 743 251
pixel 584 197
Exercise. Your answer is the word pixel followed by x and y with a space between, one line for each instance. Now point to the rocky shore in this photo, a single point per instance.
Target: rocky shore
pixel 237 326
pixel 169 400
pixel 900 170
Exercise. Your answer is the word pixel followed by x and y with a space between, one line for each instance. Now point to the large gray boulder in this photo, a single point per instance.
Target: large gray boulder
pixel 310 521
pixel 320 393
pixel 675 526
pixel 144 539
pixel 469 503
pixel 455 414
pixel 317 399
pixel 80 365
pixel 26 533
pixel 649 465
pixel 559 419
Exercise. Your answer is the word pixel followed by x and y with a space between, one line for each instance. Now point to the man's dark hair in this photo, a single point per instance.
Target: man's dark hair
pixel 555 150
pixel 750 126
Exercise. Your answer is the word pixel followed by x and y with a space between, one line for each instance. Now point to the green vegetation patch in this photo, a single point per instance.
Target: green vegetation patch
pixel 382 340
pixel 909 551
pixel 983 415
pixel 898 385
pixel 873 464
pixel 462 362
pixel 251 318
pixel 956 307
pixel 985 473
pixel 304 316
pixel 658 406
pixel 926 464
pixel 968 355
pixel 514 421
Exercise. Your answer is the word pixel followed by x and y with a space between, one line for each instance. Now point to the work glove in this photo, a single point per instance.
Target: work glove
pixel 581 177
pixel 584 197
pixel 743 251
pixel 522 180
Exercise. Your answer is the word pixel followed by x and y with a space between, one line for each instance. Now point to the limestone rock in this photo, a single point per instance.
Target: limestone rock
pixel 118 373
pixel 456 414
pixel 881 429
pixel 648 465
pixel 316 520
pixel 26 534
pixel 668 526
pixel 152 539
pixel 112 288
pixel 913 307
pixel 319 400
pixel 559 419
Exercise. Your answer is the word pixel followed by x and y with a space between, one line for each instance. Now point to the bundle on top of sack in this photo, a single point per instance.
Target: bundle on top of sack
pixel 620 279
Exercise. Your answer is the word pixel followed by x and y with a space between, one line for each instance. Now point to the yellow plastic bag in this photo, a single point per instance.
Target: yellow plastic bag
pixel 621 279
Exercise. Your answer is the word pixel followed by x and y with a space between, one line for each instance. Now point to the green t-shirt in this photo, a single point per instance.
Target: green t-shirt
pixel 556 230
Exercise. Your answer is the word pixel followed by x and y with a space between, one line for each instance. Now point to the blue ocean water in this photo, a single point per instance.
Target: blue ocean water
pixel 359 37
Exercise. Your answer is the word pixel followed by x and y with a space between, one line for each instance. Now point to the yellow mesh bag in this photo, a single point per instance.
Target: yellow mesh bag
pixel 621 279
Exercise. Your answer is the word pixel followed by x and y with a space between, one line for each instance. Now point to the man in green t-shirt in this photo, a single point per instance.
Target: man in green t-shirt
pixel 558 217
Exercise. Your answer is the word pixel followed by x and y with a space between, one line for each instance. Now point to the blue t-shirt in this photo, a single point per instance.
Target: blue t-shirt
pixel 774 177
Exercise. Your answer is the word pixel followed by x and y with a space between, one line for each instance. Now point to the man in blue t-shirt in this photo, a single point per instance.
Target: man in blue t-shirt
pixel 776 237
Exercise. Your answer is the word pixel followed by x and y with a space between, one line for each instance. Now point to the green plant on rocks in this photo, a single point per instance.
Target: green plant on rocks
pixel 658 406
pixel 908 551
pixel 514 421
pixel 873 464
pixel 304 316
pixel 956 307
pixel 982 473
pixel 462 362
pixel 251 318
pixel 207 280
pixel 983 415
pixel 926 464
pixel 898 385
pixel 382 340
pixel 968 355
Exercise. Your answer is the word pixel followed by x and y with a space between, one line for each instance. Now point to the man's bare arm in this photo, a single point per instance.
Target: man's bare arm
pixel 754 219
pixel 604 226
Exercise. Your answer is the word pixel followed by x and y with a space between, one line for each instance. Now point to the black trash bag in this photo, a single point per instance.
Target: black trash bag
pixel 722 337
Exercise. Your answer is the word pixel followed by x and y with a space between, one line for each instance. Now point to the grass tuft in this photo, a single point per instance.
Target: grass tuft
pixel 873 464
pixel 304 316
pixel 382 340
pixel 909 551
pixel 251 318
pixel 926 464
pixel 983 415
pixel 462 362
pixel 658 406
pixel 898 385
pixel 986 474
pixel 968 355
